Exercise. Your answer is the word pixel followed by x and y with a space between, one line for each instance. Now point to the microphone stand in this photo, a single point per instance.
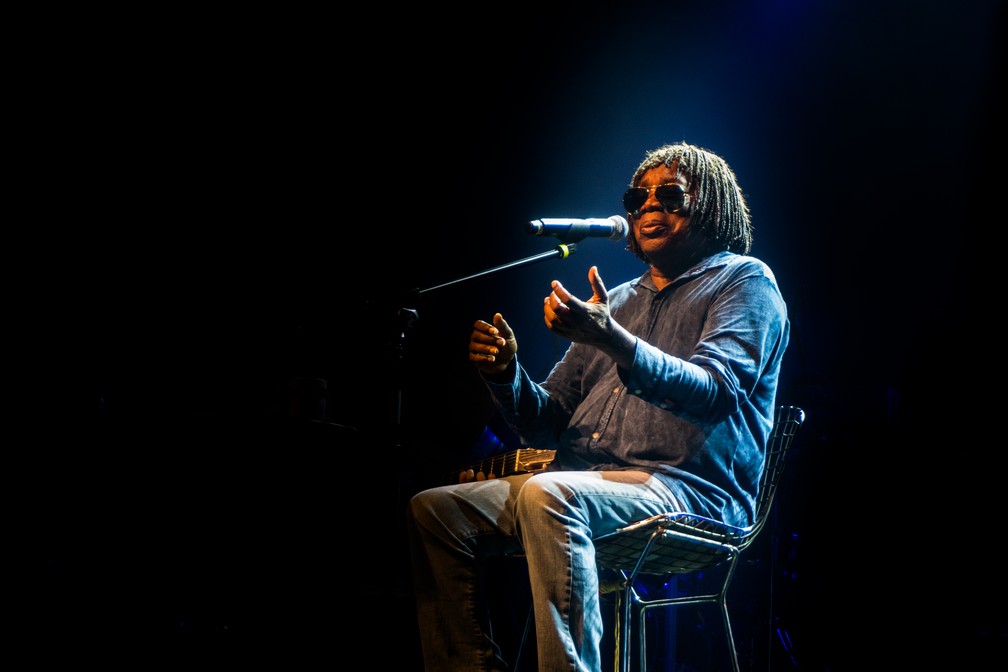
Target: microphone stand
pixel 406 320
pixel 408 317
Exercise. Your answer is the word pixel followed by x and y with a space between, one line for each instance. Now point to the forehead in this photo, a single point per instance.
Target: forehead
pixel 662 175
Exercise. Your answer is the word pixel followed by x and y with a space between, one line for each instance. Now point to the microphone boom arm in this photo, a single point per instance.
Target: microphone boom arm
pixel 562 251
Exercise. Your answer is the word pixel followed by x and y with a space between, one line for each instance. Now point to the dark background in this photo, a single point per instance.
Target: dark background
pixel 220 203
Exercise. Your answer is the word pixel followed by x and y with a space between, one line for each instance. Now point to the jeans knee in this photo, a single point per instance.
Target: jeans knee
pixel 540 494
pixel 420 509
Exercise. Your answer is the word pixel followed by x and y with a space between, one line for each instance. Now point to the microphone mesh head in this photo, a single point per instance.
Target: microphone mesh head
pixel 620 228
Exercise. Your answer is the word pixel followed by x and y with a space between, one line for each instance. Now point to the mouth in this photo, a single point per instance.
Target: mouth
pixel 651 229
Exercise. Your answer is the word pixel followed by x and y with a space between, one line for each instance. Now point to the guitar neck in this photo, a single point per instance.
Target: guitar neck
pixel 520 461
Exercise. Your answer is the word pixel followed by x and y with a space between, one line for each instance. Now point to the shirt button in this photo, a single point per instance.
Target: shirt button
pixel 615 390
pixel 595 435
pixel 638 392
pixel 663 405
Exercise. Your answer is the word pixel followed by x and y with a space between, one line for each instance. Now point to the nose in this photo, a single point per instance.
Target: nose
pixel 650 197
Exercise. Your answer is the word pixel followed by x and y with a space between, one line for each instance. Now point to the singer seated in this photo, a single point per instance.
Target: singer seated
pixel 662 402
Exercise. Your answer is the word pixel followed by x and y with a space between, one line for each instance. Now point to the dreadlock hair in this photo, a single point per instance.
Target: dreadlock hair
pixel 717 208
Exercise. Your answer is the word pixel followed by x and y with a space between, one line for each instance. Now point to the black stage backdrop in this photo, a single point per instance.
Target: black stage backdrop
pixel 223 209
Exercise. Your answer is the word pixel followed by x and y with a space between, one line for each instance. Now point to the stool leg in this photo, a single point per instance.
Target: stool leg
pixel 529 621
pixel 622 661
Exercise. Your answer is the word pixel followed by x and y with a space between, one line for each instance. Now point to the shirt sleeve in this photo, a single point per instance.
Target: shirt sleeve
pixel 743 331
pixel 529 410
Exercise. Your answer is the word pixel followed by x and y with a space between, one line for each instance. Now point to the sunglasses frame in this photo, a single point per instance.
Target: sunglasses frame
pixel 682 198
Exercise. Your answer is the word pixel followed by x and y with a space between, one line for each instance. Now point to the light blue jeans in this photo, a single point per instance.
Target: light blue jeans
pixel 552 518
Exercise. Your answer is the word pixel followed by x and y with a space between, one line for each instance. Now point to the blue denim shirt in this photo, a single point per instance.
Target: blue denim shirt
pixel 697 406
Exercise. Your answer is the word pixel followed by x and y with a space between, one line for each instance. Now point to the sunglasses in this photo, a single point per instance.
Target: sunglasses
pixel 671 196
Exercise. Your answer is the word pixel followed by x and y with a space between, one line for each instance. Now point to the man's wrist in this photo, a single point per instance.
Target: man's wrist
pixel 501 377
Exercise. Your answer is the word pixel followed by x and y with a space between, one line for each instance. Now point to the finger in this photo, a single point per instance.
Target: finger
pixel 600 294
pixel 484 347
pixel 553 318
pixel 549 315
pixel 486 339
pixel 483 327
pixel 486 333
pixel 502 327
pixel 477 356
pixel 563 296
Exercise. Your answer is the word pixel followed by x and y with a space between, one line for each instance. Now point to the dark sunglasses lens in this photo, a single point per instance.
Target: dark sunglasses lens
pixel 671 196
pixel 634 198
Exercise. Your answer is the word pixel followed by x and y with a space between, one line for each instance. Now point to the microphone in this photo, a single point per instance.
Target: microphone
pixel 573 230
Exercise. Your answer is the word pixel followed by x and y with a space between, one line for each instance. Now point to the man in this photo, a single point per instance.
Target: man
pixel 663 402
